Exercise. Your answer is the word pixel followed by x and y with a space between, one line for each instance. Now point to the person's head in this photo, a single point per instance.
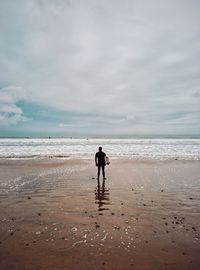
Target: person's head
pixel 100 148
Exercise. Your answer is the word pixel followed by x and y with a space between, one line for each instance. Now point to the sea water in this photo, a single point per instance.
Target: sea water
pixel 154 148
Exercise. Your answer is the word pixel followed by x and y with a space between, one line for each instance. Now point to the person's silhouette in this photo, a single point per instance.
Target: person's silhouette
pixel 100 162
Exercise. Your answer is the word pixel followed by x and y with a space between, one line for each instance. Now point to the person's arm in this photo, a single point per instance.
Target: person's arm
pixel 96 160
pixel 104 159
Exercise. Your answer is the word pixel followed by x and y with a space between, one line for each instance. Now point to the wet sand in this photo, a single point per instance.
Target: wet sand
pixel 54 214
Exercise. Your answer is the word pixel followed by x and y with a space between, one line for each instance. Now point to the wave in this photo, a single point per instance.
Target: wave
pixel 188 149
pixel 34 156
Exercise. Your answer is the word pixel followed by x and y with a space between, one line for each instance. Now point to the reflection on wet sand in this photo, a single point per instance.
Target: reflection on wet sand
pixel 102 196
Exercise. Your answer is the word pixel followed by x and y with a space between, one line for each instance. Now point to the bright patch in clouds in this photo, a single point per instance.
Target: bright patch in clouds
pixel 99 67
pixel 10 113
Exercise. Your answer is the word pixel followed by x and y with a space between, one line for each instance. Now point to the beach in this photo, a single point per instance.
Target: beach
pixel 54 214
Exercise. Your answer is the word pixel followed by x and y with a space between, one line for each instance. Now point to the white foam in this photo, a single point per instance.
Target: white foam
pixel 188 149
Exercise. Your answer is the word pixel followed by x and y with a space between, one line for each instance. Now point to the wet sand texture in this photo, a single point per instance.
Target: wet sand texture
pixel 54 214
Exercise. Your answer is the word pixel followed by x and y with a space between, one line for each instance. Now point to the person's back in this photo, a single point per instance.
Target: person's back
pixel 100 158
pixel 100 162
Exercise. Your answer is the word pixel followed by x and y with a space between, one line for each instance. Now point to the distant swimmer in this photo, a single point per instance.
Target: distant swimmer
pixel 101 160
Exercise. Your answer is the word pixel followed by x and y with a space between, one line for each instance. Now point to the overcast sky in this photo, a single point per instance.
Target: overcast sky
pixel 99 67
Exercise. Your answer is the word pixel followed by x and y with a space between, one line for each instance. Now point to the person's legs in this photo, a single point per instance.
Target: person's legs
pixel 98 173
pixel 103 171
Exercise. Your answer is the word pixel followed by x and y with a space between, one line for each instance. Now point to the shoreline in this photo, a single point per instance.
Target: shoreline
pixel 133 158
pixel 55 215
pixel 159 149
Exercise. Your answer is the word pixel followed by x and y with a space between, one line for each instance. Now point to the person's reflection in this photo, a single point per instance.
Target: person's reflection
pixel 102 196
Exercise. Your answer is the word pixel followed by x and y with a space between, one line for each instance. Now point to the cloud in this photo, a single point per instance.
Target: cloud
pixel 130 64
pixel 10 113
pixel 196 94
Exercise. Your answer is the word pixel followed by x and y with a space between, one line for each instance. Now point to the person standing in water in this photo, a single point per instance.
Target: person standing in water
pixel 100 162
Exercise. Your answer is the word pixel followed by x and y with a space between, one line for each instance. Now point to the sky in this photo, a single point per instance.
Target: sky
pixel 98 67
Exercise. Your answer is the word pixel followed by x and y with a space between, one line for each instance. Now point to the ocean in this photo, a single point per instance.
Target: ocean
pixel 137 148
